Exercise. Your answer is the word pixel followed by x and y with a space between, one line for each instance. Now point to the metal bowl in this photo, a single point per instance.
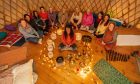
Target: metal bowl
pixel 60 59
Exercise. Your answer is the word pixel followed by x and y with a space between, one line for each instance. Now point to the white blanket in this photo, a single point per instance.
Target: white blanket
pixel 128 40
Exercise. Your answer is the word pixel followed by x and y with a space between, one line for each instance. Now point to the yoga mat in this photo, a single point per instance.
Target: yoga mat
pixel 108 74
pixel 128 40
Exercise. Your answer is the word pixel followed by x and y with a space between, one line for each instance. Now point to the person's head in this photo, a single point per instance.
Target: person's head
pixel 26 17
pixel 100 15
pixel 64 10
pixel 42 9
pixel 107 17
pixel 50 10
pixel 106 20
pixel 77 10
pixel 23 23
pixel 88 11
pixel 35 13
pixel 111 26
pixel 68 31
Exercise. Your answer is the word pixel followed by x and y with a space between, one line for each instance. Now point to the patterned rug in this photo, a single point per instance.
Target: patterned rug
pixel 11 39
pixel 108 74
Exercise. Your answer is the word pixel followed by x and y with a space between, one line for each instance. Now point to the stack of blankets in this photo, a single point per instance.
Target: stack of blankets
pixel 10 39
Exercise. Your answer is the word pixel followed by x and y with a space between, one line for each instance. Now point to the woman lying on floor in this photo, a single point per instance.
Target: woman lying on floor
pixel 29 33
pixel 102 27
pixel 68 39
pixel 110 37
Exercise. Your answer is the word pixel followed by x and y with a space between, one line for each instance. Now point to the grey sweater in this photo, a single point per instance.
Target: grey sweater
pixel 28 31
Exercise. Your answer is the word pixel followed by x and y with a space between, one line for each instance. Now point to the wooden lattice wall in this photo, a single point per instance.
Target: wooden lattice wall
pixel 128 10
pixel 13 10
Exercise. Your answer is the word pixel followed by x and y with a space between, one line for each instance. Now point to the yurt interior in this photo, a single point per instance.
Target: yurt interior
pixel 69 41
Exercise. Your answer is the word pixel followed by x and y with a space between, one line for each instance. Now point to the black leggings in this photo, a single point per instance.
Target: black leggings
pixel 98 36
pixel 62 46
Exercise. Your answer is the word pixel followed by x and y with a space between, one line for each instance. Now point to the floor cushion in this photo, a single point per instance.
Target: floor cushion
pixel 2 35
pixel 23 74
pixel 10 27
pixel 11 39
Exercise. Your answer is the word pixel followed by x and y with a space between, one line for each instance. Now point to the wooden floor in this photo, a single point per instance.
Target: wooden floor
pixel 66 74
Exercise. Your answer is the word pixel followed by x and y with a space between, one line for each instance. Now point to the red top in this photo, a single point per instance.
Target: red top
pixel 109 35
pixel 98 20
pixel 43 15
pixel 68 40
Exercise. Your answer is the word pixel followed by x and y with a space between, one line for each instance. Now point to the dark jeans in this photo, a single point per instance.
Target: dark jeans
pixel 47 26
pixel 35 39
pixel 62 46
pixel 98 36
pixel 75 21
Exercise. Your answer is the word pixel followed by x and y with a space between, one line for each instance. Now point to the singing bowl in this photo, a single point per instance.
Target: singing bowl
pixel 50 54
pixel 53 36
pixel 86 38
pixel 50 48
pixel 49 42
pixel 60 59
pixel 59 31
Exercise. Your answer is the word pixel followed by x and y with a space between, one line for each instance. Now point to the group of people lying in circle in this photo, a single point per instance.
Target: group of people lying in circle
pixel 37 24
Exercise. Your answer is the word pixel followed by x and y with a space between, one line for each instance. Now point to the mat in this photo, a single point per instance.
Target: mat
pixel 128 40
pixel 11 39
pixel 108 74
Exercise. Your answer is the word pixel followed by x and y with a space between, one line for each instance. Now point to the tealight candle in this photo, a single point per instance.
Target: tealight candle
pixel 42 63
pixel 54 68
pixel 49 65
pixel 44 55
pixel 44 48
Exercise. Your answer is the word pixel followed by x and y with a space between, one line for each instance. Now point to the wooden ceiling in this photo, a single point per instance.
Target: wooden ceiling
pixel 13 10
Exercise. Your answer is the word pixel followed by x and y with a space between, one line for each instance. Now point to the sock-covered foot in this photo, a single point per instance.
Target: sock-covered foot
pixel 40 41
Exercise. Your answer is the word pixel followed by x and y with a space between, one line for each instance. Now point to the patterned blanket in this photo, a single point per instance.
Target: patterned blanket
pixel 108 74
pixel 11 39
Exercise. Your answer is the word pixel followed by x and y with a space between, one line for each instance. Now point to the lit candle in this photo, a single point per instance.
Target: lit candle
pixel 54 68
pixel 40 51
pixel 42 63
pixel 84 43
pixel 49 65
pixel 44 55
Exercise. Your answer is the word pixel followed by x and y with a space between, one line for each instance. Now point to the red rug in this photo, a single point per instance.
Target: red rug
pixel 11 39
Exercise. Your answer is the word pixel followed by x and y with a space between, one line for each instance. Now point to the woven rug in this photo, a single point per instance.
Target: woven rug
pixel 11 39
pixel 108 74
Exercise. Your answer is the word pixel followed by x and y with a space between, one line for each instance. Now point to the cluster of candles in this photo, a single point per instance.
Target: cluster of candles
pixel 80 62
pixel 85 71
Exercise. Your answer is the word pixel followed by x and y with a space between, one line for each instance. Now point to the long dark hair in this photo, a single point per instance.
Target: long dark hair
pixel 102 13
pixel 71 31
pixel 26 15
pixel 106 21
pixel 42 7
pixel 34 16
